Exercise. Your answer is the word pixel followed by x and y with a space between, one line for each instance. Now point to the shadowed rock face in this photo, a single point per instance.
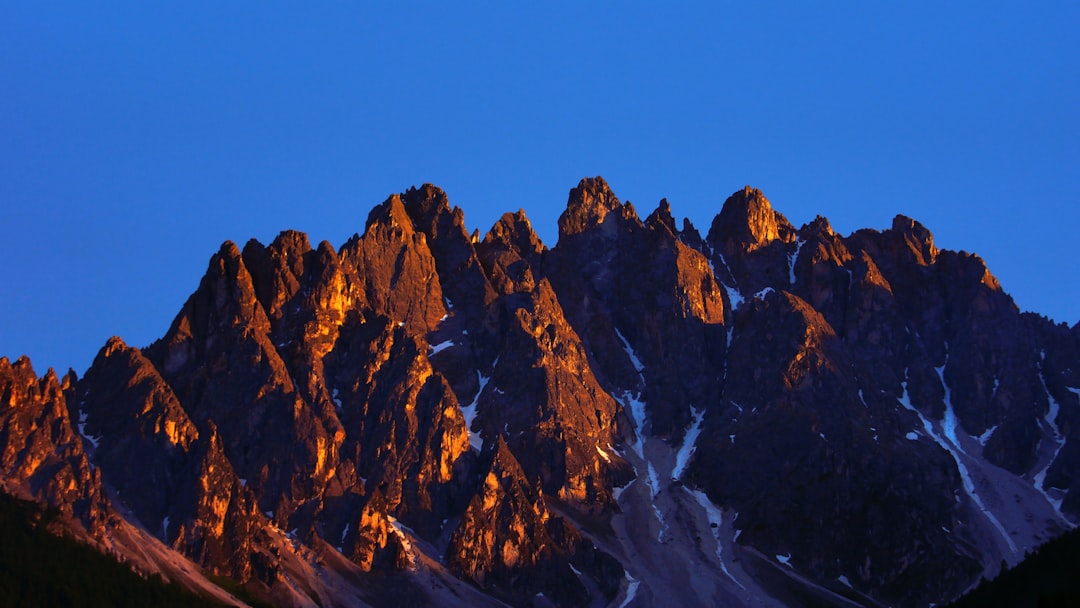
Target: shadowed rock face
pixel 428 414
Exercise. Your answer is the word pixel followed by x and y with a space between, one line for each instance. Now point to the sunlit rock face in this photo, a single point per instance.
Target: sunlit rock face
pixel 432 416
pixel 42 455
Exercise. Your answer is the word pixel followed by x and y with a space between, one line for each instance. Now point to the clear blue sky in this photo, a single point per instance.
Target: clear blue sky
pixel 136 137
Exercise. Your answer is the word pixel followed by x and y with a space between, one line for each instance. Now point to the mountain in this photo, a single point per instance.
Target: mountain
pixel 639 416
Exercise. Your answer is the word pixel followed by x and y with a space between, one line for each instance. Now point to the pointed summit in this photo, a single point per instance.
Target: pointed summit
pixel 662 217
pixel 391 214
pixel 427 200
pixel 748 220
pixel 589 203
pixel 918 239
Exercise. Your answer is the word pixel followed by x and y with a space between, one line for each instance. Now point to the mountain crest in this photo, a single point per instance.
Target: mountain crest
pixel 747 221
pixel 633 417
pixel 590 204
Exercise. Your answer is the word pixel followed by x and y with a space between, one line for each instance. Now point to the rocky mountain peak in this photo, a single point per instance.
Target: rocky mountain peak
pixel 748 221
pixel 916 238
pixel 391 216
pixel 589 205
pixel 819 226
pixel 427 418
pixel 662 217
pixel 426 201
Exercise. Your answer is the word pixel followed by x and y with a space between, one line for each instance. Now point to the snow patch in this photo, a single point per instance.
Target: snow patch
pixel 1051 421
pixel 844 581
pixel 947 443
pixel 688 447
pixel 344 533
pixel 986 436
pixel 469 412
pixel 912 436
pixel 617 491
pixel 403 532
pixel 631 589
pixel 654 480
pixel 636 408
pixel 716 521
pixel 165 527
pixel 438 348
pixel 948 423
pixel 663 524
pixel 603 454
pixel 82 430
pixel 761 294
pixel 784 559
pixel 336 400
pixel 794 258
pixel 634 360
pixel 734 295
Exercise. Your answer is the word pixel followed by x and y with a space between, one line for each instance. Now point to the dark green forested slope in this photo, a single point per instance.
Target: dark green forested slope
pixel 38 569
pixel 1049 577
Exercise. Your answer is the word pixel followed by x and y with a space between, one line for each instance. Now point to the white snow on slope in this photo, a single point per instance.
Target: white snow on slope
pixel 794 258
pixel 688 447
pixel 636 408
pixel 603 454
pixel 716 522
pixel 469 411
pixel 403 533
pixel 734 295
pixel 948 423
pixel 663 524
pixel 438 348
pixel 631 589
pixel 632 403
pixel 82 430
pixel 969 485
pixel 344 533
pixel 654 480
pixel 634 360
pixel 1051 423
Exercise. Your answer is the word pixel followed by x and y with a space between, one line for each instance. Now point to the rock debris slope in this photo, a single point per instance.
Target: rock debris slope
pixel 640 416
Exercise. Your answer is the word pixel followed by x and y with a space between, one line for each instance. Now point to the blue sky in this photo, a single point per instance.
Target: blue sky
pixel 136 137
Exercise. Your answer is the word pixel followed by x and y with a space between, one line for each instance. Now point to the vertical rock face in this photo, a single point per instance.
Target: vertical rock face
pixel 751 241
pixel 542 394
pixel 42 455
pixel 508 542
pixel 812 469
pixel 628 285
pixel 794 416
